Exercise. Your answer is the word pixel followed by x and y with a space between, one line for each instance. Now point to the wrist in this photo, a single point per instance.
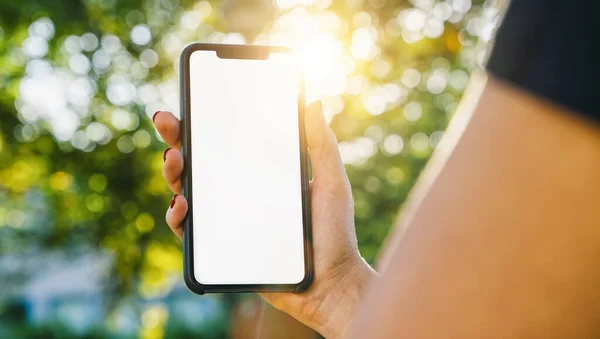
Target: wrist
pixel 341 303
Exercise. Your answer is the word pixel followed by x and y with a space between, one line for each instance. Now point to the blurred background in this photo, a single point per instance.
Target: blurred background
pixel 84 248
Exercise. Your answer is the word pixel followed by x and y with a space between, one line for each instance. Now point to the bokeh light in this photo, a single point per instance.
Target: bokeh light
pixel 80 160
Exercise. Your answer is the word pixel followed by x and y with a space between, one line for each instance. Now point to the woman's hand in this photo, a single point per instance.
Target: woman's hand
pixel 341 274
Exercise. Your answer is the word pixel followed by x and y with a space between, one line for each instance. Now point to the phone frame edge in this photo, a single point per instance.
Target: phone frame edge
pixel 187 240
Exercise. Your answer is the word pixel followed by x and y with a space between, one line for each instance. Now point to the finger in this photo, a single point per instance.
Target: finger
pixel 176 213
pixel 172 169
pixel 168 127
pixel 325 157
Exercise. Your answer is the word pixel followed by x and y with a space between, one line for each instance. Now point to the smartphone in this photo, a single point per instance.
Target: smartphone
pixel 248 226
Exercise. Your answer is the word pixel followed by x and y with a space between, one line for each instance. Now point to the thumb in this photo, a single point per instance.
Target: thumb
pixel 327 164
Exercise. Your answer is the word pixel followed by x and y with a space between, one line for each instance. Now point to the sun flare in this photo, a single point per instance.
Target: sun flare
pixel 322 58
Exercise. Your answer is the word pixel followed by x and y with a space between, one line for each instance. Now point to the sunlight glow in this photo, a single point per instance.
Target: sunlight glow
pixel 321 56
pixel 342 59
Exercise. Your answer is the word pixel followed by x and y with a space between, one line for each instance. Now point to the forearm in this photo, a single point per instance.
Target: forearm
pixel 277 324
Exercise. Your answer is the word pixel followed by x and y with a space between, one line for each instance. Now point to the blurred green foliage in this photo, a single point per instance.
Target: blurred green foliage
pixel 80 162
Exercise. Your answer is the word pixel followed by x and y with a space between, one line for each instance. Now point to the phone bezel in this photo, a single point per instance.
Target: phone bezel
pixel 253 52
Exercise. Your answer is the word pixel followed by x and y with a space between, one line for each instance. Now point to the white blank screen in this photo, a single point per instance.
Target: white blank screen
pixel 246 183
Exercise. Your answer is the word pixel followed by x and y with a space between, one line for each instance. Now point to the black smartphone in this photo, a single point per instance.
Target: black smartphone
pixel 248 226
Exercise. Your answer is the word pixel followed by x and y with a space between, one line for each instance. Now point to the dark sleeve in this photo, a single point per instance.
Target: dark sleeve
pixel 552 48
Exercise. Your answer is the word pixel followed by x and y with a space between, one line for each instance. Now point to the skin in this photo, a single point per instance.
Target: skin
pixel 275 324
pixel 500 237
pixel 341 274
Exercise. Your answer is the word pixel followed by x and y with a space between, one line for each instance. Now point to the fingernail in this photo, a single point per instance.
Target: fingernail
pixel 165 154
pixel 154 116
pixel 173 200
